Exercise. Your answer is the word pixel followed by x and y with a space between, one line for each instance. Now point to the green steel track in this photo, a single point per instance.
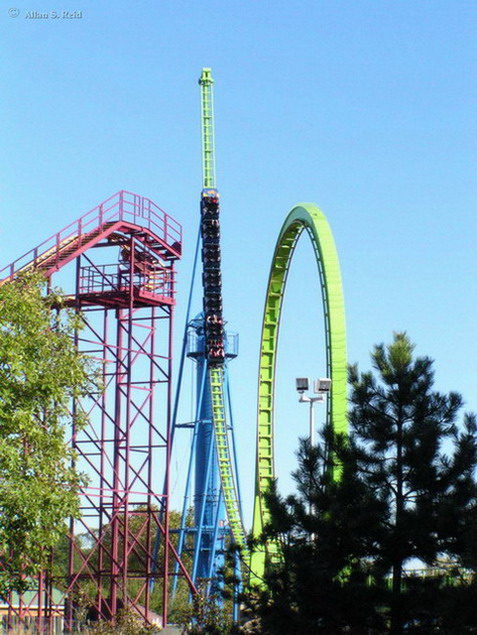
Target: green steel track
pixel 309 217
pixel 227 477
pixel 213 318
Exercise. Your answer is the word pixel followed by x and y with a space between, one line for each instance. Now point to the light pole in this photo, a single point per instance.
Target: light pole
pixel 322 387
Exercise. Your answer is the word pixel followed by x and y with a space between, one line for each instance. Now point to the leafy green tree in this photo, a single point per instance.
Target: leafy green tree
pixel 419 464
pixel 40 372
pixel 126 623
pixel 206 615
pixel 86 591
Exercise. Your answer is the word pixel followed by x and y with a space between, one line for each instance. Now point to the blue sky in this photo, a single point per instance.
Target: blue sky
pixel 365 108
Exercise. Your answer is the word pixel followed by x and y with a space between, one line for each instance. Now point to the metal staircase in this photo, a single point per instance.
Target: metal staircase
pixel 138 215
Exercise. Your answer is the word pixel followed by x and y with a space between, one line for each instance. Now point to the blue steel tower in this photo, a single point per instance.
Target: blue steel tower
pixel 210 516
pixel 212 470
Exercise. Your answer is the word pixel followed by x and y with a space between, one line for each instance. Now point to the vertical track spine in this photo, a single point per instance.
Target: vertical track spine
pixel 213 317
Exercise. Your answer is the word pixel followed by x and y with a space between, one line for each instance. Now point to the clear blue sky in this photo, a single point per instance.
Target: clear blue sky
pixel 365 108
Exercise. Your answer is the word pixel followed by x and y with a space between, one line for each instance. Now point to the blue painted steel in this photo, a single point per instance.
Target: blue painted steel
pixel 211 349
pixel 184 530
pixel 207 482
pixel 157 541
pixel 210 517
pixel 203 488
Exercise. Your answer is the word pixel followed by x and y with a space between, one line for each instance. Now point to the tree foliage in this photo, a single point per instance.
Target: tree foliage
pixel 417 461
pixel 406 495
pixel 40 372
pixel 206 615
pixel 85 593
pixel 321 583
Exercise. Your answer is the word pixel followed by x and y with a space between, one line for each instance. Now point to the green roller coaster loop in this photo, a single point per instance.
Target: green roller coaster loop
pixel 305 216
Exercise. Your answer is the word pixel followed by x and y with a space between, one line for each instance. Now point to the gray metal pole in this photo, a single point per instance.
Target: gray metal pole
pixel 312 422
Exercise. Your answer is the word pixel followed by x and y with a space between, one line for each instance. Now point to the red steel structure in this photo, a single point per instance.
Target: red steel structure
pixel 121 256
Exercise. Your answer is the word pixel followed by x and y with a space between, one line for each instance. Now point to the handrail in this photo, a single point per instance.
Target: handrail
pixel 122 206
pixel 104 278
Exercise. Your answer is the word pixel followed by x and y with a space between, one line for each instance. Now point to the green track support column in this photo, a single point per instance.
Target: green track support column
pixel 305 216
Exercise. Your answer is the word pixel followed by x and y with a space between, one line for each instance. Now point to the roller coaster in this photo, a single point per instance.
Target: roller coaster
pixel 212 458
pixel 121 262
pixel 308 218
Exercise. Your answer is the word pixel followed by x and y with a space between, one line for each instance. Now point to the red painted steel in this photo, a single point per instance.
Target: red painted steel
pixel 161 232
pixel 126 307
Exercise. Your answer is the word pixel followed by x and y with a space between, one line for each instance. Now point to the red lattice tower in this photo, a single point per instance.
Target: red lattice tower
pixel 121 256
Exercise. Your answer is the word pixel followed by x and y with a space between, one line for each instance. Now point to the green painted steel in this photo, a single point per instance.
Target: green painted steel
pixel 227 478
pixel 215 368
pixel 207 126
pixel 304 217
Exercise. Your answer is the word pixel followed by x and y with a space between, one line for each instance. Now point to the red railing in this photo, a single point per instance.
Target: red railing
pixel 109 278
pixel 122 206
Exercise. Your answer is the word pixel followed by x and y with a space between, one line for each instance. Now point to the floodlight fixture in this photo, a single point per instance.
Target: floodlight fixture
pixel 302 384
pixel 322 385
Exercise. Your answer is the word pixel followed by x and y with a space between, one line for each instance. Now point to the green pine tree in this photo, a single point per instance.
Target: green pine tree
pixel 407 494
pixel 420 465
pixel 323 582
